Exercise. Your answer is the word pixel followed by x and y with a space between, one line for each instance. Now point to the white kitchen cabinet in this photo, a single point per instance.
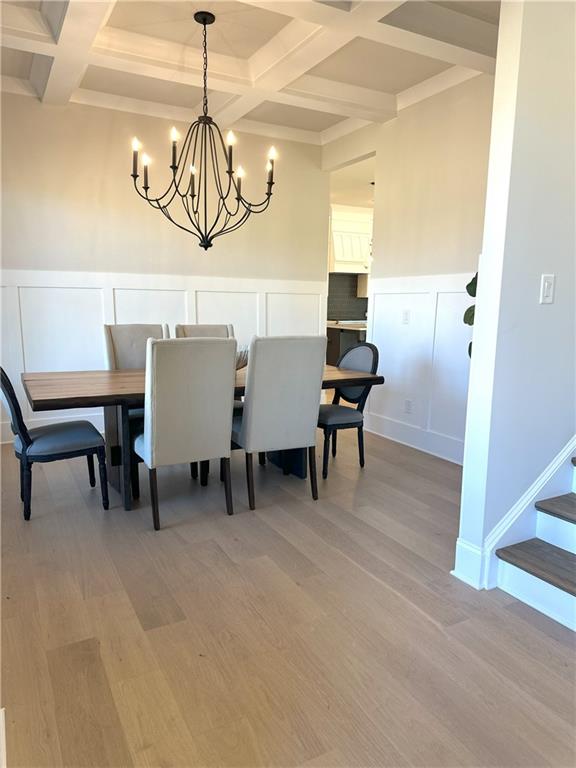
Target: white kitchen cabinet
pixel 350 240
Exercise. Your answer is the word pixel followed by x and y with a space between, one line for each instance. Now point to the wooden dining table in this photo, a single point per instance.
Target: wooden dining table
pixel 119 391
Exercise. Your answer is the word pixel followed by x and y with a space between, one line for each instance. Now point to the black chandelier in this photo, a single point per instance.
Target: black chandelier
pixel 189 201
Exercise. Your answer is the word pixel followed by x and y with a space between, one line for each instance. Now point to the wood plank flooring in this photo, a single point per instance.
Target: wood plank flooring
pixel 319 635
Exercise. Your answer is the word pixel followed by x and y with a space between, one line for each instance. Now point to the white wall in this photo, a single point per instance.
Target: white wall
pixel 431 164
pixel 52 320
pixel 69 203
pixel 522 410
pixel 416 323
pixel 431 167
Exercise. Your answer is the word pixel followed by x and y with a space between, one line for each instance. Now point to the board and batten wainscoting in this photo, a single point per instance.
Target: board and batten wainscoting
pixel 416 323
pixel 52 321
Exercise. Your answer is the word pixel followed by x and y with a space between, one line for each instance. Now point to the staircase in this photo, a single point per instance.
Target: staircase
pixel 541 571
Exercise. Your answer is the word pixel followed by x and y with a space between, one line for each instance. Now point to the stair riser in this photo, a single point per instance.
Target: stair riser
pixel 556 531
pixel 540 595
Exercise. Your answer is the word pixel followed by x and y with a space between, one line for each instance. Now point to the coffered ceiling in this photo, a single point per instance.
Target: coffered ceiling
pixel 305 70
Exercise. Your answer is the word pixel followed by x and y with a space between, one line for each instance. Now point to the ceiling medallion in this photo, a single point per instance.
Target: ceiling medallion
pixel 205 195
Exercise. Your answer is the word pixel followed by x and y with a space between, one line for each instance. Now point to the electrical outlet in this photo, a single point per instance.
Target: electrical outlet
pixel 547 285
pixel 406 317
pixel 408 406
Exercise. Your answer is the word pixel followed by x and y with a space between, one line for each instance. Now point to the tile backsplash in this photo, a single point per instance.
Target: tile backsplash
pixel 343 304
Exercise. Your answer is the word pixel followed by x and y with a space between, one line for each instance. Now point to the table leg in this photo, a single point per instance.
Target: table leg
pixel 117 433
pixel 292 462
pixel 126 469
pixel 113 457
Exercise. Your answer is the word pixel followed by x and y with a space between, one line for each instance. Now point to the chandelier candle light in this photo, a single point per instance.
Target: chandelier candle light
pixel 205 194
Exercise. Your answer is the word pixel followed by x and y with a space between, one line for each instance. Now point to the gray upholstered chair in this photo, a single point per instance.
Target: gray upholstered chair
pixel 187 408
pixel 332 417
pixel 202 330
pixel 283 388
pixel 63 440
pixel 125 349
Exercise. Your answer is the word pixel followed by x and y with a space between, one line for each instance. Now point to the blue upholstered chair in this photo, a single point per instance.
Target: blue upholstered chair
pixel 334 416
pixel 64 440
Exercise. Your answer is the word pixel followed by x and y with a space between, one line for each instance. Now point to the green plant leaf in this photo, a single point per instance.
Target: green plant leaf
pixel 471 287
pixel 469 315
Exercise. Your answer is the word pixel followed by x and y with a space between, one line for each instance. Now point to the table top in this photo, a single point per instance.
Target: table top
pixel 93 389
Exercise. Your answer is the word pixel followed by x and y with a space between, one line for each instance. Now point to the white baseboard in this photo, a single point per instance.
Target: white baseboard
pixel 478 565
pixel 444 446
pixel 538 594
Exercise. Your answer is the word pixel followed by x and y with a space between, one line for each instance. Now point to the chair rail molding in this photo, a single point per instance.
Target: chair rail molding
pixel 52 320
pixel 416 323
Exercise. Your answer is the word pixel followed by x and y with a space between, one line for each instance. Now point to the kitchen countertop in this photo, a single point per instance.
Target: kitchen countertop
pixel 347 325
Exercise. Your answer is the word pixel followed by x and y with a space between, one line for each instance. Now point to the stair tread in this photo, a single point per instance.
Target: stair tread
pixel 563 507
pixel 549 563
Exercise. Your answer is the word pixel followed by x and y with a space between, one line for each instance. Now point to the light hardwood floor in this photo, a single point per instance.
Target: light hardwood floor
pixel 325 634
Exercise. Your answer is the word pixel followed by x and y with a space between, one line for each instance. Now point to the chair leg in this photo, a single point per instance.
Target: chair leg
pixel 21 480
pixel 194 470
pixel 221 470
pixel 91 475
pixel 154 498
pixel 204 469
pixel 250 481
pixel 325 453
pixel 334 443
pixel 225 465
pixel 135 478
pixel 361 445
pixel 313 475
pixel 27 488
pixel 262 459
pixel 101 453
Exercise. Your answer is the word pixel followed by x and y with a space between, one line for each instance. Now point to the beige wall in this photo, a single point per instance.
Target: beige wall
pixel 68 201
pixel 431 167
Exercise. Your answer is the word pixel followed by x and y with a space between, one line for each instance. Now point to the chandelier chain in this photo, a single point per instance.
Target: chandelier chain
pixel 205 72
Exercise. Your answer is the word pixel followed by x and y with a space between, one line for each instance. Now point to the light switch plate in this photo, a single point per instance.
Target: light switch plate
pixel 547 285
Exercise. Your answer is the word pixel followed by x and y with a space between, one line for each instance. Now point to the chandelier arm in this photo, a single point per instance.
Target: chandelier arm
pixel 192 216
pixel 180 226
pixel 196 134
pixel 229 173
pixel 234 226
pixel 216 171
pixel 233 182
pixel 183 160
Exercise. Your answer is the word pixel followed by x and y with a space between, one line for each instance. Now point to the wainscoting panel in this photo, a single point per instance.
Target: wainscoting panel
pixel 150 305
pixel 240 309
pixel 292 314
pixel 450 367
pixel 53 320
pixel 417 326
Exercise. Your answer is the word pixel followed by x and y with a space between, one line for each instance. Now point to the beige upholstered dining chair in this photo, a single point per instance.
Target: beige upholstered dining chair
pixel 125 348
pixel 187 407
pixel 200 330
pixel 283 388
pixel 125 345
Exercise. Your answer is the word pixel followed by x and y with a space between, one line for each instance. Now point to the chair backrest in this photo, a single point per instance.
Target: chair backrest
pixel 16 419
pixel 189 400
pixel 361 357
pixel 200 330
pixel 283 388
pixel 125 345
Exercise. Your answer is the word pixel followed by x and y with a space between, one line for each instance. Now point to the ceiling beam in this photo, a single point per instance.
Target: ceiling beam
pixel 369 24
pixel 76 31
